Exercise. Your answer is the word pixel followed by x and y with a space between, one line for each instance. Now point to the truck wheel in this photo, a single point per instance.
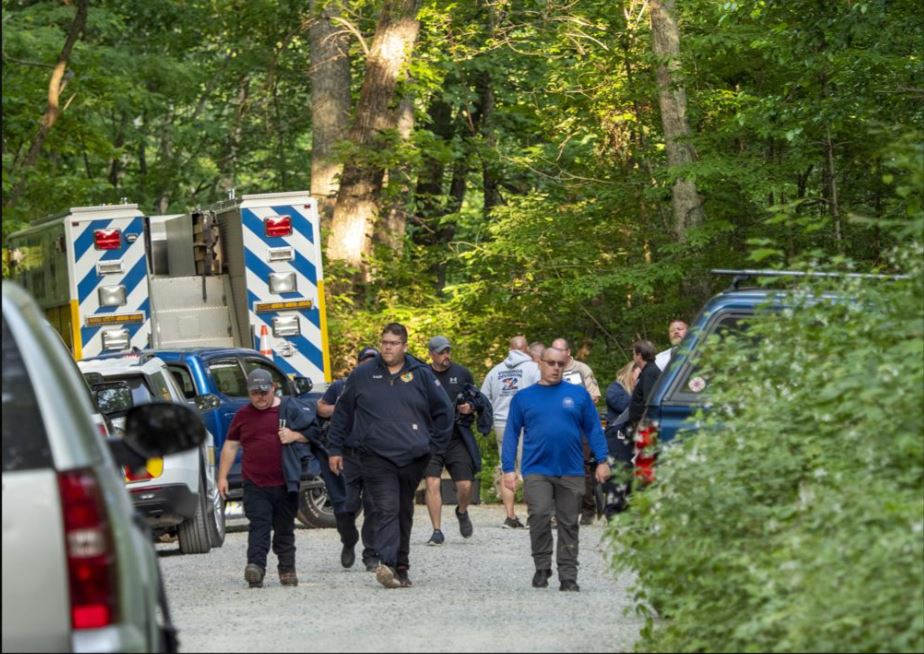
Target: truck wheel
pixel 217 520
pixel 314 507
pixel 193 533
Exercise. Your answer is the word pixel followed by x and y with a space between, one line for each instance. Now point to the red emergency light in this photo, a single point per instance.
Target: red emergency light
pixel 277 226
pixel 107 239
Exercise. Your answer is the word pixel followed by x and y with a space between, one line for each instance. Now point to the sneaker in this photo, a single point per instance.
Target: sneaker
pixel 348 556
pixel 288 578
pixel 513 523
pixel 386 576
pixel 371 565
pixel 541 578
pixel 403 579
pixel 437 538
pixel 569 585
pixel 254 575
pixel 465 524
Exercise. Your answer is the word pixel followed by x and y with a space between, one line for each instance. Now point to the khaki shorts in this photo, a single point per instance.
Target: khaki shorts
pixel 499 437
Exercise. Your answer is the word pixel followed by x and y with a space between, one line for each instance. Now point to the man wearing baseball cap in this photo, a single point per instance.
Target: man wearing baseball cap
pixel 457 458
pixel 355 496
pixel 270 483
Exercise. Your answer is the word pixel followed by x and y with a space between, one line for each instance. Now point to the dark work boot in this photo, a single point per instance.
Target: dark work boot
pixel 346 527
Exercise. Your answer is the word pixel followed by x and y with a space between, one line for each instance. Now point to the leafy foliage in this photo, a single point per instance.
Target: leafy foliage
pixel 793 520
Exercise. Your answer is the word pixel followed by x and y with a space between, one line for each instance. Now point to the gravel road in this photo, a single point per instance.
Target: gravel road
pixel 469 596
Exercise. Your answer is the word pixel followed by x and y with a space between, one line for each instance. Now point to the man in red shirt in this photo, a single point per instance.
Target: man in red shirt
pixel 268 503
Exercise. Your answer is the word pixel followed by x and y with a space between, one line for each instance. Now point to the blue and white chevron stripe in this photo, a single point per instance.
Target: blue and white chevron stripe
pixel 306 355
pixel 134 277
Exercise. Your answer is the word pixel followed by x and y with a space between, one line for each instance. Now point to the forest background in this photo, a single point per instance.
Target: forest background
pixel 491 167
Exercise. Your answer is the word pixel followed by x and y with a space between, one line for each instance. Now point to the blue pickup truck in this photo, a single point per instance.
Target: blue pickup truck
pixel 216 380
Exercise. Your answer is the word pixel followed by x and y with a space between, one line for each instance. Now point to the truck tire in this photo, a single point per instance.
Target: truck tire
pixel 314 507
pixel 193 533
pixel 217 520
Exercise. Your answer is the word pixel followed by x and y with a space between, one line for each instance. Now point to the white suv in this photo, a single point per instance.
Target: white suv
pixel 178 494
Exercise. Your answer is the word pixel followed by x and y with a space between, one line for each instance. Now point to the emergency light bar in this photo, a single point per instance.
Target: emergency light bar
pixel 277 226
pixel 107 239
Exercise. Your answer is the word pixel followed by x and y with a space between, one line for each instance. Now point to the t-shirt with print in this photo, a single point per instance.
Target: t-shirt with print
pixel 258 433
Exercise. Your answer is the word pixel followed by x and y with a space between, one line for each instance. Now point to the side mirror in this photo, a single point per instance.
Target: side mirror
pixel 206 402
pixel 303 385
pixel 162 428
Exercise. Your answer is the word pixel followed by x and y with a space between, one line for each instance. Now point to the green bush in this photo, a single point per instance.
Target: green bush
pixel 794 519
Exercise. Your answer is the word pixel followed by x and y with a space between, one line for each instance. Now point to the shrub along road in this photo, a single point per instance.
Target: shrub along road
pixel 468 595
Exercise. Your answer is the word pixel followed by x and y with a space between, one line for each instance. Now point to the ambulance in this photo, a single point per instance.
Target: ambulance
pixel 245 272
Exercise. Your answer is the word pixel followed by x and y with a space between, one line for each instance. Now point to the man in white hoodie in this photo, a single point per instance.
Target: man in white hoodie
pixel 513 374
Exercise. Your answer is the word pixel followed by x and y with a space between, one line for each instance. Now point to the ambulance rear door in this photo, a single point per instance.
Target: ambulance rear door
pixel 109 279
pixel 284 281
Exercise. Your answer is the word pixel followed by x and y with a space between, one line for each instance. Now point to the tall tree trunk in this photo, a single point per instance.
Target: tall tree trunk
pixel 228 178
pixel 672 98
pixel 361 181
pixel 115 166
pixel 391 229
pixel 330 102
pixel 56 85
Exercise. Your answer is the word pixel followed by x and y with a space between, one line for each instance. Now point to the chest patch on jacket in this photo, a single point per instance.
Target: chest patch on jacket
pixel 407 377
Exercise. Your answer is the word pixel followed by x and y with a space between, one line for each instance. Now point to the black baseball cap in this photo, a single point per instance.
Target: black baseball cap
pixel 366 353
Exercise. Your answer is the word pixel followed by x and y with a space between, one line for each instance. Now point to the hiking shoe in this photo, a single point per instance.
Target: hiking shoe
pixel 465 524
pixel 541 578
pixel 371 565
pixel 569 585
pixel 403 579
pixel 437 538
pixel 288 578
pixel 386 576
pixel 513 523
pixel 254 575
pixel 348 556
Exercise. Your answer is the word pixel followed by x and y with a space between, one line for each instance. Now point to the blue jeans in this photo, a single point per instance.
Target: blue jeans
pixel 270 508
pixel 392 489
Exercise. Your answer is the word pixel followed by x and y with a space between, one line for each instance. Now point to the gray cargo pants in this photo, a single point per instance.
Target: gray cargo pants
pixel 563 494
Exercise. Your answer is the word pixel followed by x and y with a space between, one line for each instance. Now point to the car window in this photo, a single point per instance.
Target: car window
pixel 159 387
pixel 691 386
pixel 184 380
pixel 111 399
pixel 25 442
pixel 229 377
pixel 283 387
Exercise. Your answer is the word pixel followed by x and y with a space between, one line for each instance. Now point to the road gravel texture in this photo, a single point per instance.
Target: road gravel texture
pixel 469 595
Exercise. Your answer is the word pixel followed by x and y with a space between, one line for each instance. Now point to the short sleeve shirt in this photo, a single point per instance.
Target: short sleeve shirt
pixel 258 433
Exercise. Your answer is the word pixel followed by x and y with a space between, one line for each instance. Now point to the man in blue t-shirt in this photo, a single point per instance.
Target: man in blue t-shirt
pixel 554 417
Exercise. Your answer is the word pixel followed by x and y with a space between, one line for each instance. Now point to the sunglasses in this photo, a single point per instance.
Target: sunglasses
pixel 554 364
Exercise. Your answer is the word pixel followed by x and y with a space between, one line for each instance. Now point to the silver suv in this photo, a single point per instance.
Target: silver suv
pixel 79 570
pixel 178 494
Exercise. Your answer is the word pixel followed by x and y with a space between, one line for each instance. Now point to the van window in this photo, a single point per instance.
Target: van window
pixel 229 377
pixel 25 442
pixel 691 386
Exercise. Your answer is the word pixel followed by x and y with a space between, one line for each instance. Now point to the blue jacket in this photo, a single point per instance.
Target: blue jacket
pixel 399 417
pixel 482 406
pixel 554 419
pixel 296 457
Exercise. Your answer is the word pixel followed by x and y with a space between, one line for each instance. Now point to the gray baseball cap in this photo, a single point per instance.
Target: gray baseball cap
pixel 439 343
pixel 259 380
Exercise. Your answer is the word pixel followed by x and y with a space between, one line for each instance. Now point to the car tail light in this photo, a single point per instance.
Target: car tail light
pixel 277 226
pixel 90 561
pixel 107 239
pixel 646 436
pixel 140 475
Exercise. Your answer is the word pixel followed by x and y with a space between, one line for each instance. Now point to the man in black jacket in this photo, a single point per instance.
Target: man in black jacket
pixel 399 415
